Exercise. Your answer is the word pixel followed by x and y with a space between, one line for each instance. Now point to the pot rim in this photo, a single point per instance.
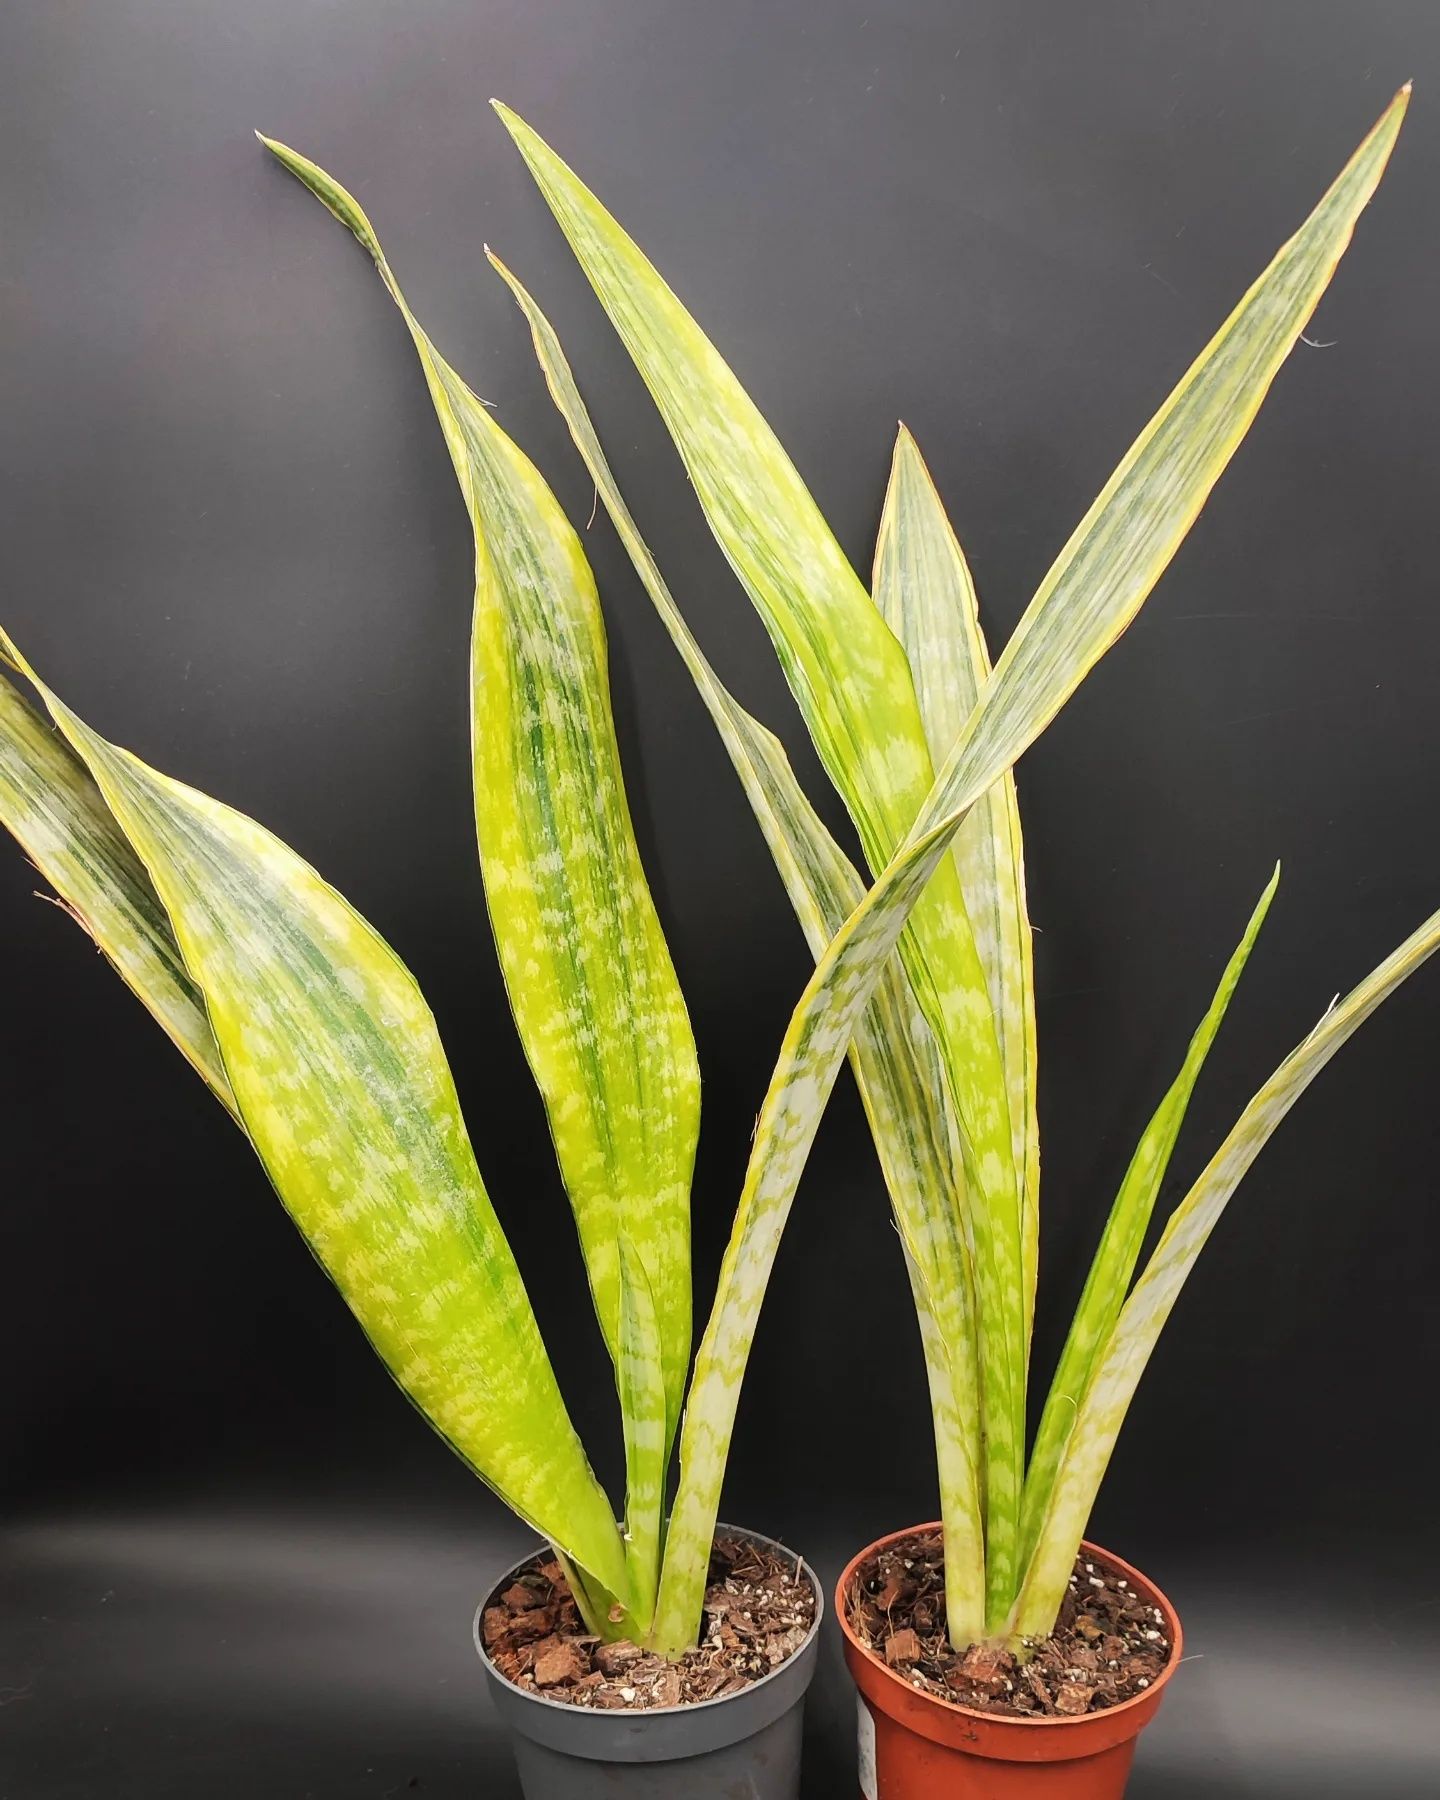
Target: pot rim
pixel 694 1708
pixel 1023 1721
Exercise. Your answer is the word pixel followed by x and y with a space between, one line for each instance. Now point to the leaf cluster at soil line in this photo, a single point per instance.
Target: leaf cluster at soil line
pixel 758 1612
pixel 1109 1643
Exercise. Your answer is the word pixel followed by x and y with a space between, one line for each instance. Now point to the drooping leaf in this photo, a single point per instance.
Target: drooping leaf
pixel 50 803
pixel 590 979
pixel 922 585
pixel 896 1067
pixel 852 683
pixel 1122 1362
pixel 1108 1281
pixel 340 1081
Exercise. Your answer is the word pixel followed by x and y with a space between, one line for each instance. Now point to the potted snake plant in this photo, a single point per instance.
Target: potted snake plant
pixel 602 1647
pixel 995 1651
pixel 663 1647
pixel 610 1647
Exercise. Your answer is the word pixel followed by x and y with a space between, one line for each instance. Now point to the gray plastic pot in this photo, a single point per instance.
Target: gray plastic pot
pixel 744 1747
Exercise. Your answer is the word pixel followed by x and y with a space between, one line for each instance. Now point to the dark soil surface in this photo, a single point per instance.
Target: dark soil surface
pixel 758 1612
pixel 1109 1643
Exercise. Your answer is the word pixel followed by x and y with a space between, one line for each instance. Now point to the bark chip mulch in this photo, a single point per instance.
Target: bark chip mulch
pixel 1109 1643
pixel 758 1612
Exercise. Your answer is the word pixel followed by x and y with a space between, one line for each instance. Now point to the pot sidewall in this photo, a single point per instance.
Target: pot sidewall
pixel 661 1733
pixel 971 1733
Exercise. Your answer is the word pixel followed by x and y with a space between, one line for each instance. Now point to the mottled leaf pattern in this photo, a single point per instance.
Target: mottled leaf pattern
pixel 590 980
pixel 1119 550
pixel 898 1073
pixel 1093 592
pixel 922 585
pixel 341 1083
pixel 308 1027
pixel 853 686
pixel 1120 1244
pixel 849 674
pixel 944 1312
pixel 640 1378
pixel 49 801
pixel 1119 1369
pixel 1123 544
pixel 815 1044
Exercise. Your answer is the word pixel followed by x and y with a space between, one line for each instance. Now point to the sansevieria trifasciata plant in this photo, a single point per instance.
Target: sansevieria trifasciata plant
pixel 893 686
pixel 315 1037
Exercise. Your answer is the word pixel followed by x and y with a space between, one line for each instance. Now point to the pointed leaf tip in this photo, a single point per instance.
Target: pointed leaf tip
pixel 514 124
pixel 1397 106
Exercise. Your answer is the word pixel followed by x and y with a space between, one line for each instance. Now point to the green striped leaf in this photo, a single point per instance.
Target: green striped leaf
pixel 854 689
pixel 51 805
pixel 1114 1263
pixel 780 547
pixel 640 1378
pixel 341 1083
pixel 849 674
pixel 1119 550
pixel 1081 609
pixel 1125 541
pixel 1123 1361
pixel 923 588
pixel 589 976
pixel 815 1044
pixel 893 1055
pixel 942 1310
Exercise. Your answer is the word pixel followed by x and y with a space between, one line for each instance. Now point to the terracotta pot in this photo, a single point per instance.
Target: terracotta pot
pixel 914 1747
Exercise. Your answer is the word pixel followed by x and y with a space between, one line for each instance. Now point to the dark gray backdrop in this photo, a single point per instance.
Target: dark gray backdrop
pixel 240 1564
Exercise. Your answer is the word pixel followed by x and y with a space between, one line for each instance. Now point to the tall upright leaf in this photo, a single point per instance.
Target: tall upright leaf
pixel 639 1378
pixel 590 980
pixel 815 1044
pixel 1123 544
pixel 1120 548
pixel 50 803
pixel 1123 1360
pixel 341 1083
pixel 897 1070
pixel 1093 590
pixel 1108 1281
pixel 923 588
pixel 854 689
